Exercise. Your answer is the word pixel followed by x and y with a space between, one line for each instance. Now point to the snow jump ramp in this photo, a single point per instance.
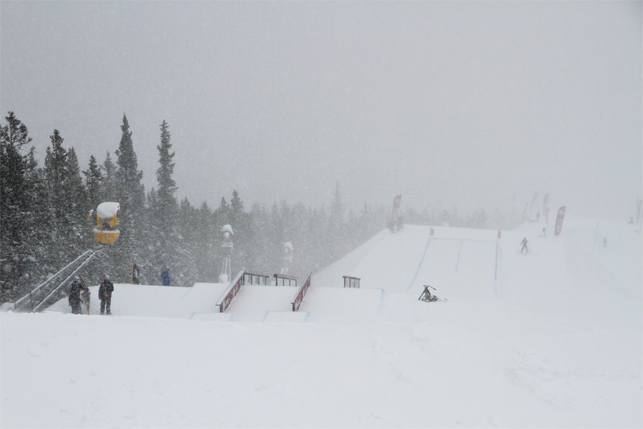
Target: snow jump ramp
pixel 458 262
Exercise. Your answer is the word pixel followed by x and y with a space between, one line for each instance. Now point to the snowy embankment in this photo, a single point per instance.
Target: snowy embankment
pixel 548 339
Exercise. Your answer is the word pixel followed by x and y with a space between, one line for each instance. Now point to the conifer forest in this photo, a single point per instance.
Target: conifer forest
pixel 44 221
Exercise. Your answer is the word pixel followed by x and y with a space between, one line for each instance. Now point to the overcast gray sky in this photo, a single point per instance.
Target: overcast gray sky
pixel 451 104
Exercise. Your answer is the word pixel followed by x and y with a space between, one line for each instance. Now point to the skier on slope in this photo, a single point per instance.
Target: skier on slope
pixel 524 245
pixel 74 295
pixel 105 294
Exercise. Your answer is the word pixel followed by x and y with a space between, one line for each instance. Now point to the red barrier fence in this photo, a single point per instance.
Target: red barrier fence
pixel 301 293
pixel 231 292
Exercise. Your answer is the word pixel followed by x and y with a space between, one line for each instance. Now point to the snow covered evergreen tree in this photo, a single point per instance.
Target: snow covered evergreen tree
pixel 37 239
pixel 189 231
pixel 166 184
pixel 168 242
pixel 222 213
pixel 78 205
pixel 130 193
pixel 243 234
pixel 60 218
pixel 16 205
pixel 93 183
pixel 204 245
pixel 108 186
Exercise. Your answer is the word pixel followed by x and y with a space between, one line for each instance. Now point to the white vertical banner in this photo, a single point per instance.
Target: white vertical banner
pixel 559 220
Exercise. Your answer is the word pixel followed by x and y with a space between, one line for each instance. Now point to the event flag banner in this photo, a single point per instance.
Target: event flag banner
pixel 559 220
pixel 135 274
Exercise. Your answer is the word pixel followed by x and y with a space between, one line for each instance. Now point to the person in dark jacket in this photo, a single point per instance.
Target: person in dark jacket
pixel 165 276
pixel 105 294
pixel 524 243
pixel 74 295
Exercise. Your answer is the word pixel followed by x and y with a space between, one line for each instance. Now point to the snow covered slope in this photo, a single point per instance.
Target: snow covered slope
pixel 548 339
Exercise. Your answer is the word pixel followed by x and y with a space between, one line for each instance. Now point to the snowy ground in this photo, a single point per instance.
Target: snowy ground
pixel 548 339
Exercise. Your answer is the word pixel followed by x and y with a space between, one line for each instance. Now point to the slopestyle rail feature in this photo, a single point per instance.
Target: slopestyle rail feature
pixel 352 282
pixel 301 293
pixel 285 279
pixel 228 295
pixel 255 279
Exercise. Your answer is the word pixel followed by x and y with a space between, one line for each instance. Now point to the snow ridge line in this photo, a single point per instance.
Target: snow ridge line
pixel 420 264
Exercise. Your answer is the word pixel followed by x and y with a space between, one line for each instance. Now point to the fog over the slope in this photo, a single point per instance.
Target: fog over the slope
pixel 457 104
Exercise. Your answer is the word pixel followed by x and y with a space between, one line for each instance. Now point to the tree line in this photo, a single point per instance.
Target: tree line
pixel 44 220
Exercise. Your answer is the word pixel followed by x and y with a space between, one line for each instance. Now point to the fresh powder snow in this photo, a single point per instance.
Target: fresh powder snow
pixel 551 338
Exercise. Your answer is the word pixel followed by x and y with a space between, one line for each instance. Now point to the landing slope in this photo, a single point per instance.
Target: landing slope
pixel 554 334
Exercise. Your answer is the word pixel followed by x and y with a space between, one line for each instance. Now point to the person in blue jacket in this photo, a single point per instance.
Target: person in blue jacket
pixel 165 276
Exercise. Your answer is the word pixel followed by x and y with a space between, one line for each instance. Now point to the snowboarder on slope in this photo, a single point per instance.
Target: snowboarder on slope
pixel 105 294
pixel 524 245
pixel 74 295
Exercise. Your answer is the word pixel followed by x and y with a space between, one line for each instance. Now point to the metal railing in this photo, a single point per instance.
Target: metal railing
pixel 255 279
pixel 231 291
pixel 44 295
pixel 352 282
pixel 301 293
pixel 285 280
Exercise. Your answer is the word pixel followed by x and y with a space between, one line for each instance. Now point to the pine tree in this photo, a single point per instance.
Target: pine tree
pixel 93 183
pixel 204 243
pixel 38 237
pixel 222 214
pixel 15 205
pixel 66 203
pixel 190 230
pixel 78 205
pixel 167 186
pixel 243 234
pixel 260 220
pixel 13 138
pixel 336 238
pixel 130 191
pixel 169 243
pixel 337 209
pixel 56 172
pixel 108 186
pixel 276 236
pixel 130 194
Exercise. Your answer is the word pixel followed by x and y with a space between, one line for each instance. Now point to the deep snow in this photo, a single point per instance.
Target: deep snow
pixel 548 339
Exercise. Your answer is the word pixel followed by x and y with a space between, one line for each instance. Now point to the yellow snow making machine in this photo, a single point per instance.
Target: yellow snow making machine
pixel 106 215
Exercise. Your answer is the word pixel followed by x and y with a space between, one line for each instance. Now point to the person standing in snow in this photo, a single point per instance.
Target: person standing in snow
pixel 74 295
pixel 105 294
pixel 524 245
pixel 85 295
pixel 165 276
